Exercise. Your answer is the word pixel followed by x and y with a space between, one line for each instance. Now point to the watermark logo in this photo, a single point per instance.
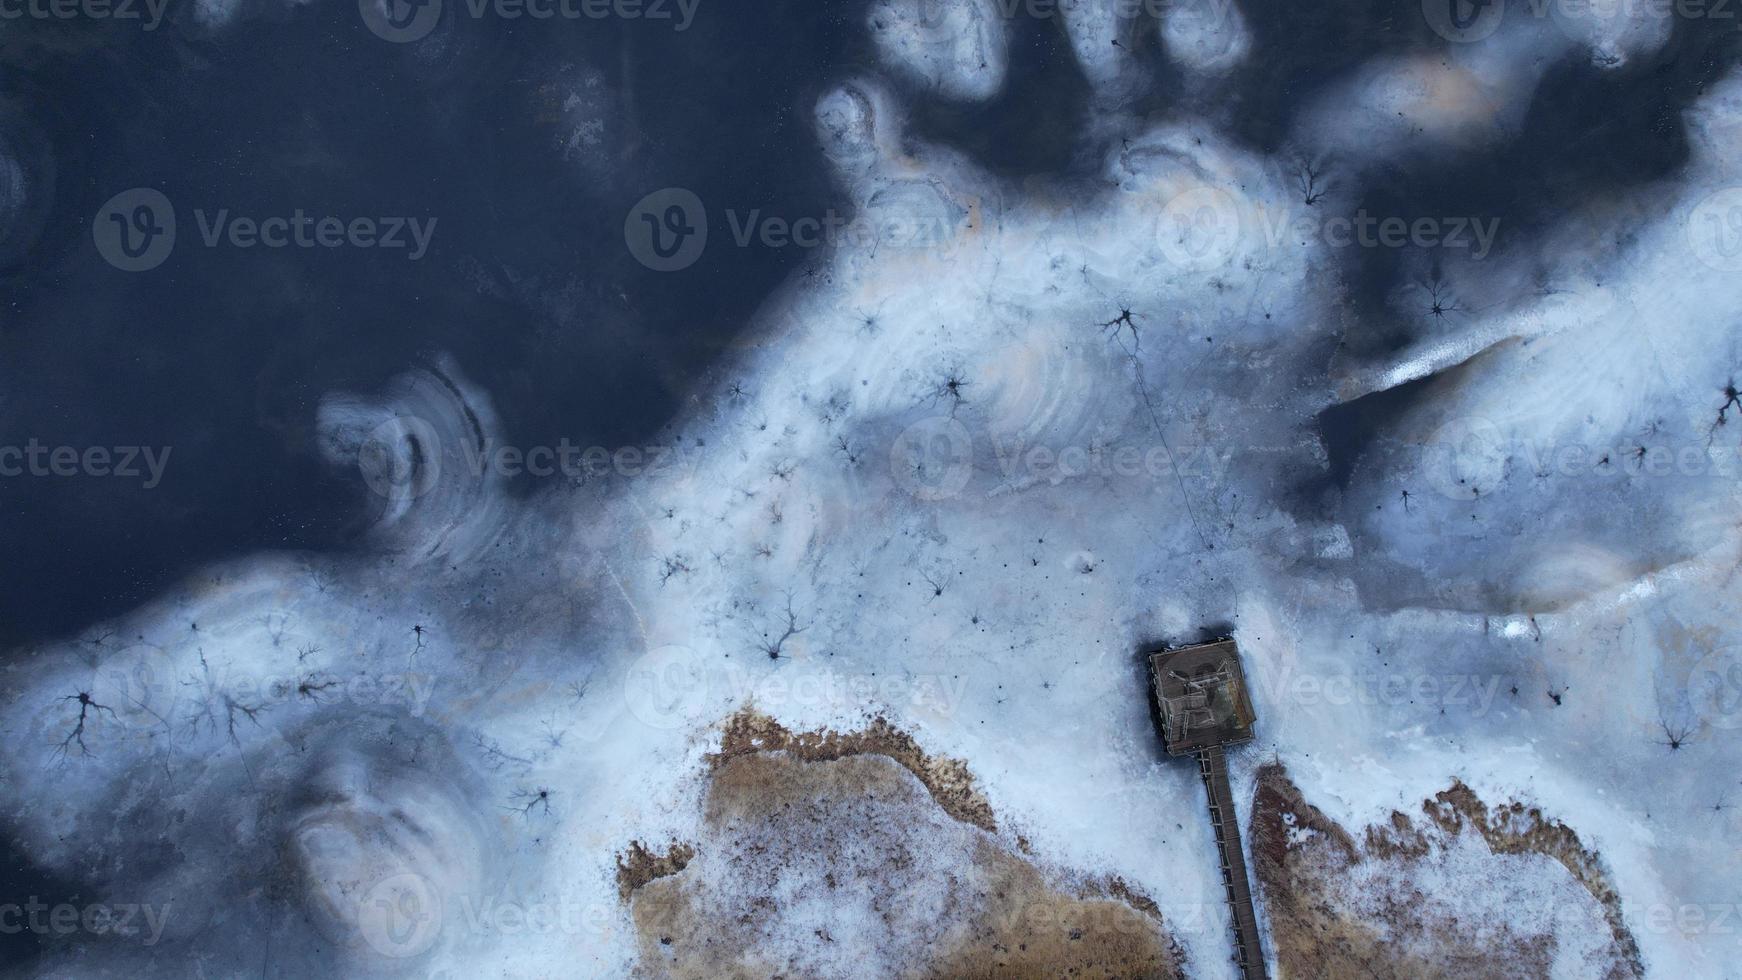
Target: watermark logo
pixel 667 687
pixel 1473 694
pixel 1206 228
pixel 833 229
pixel 400 21
pixel 667 230
pixel 933 458
pixel 152 12
pixel 1714 230
pixel 929 22
pixel 142 688
pixel 135 230
pixel 1604 21
pixel 404 457
pixel 1687 918
pixel 146 463
pixel 1364 229
pixel 673 687
pixel 1022 464
pixel 1463 21
pixel 577 463
pixel 401 459
pixel 1207 33
pixel 1199 229
pixel 401 916
pixel 301 230
pixel 1715 688
pixel 127 920
pixel 1463 457
pixel 404 21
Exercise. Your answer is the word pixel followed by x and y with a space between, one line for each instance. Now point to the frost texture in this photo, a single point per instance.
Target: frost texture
pixel 963 473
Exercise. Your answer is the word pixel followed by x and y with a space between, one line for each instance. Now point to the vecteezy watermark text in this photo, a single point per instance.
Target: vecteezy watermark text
pixel 1474 693
pixel 668 229
pixel 405 915
pixel 135 230
pixel 570 460
pixel 935 13
pixel 150 10
pixel 934 459
pixel 405 21
pixel 98 918
pixel 1022 463
pixel 1688 918
pixel 1205 227
pixel 143 685
pixel 35 459
pixel 391 472
pixel 302 231
pixel 672 686
pixel 1378 231
pixel 836 230
pixel 1468 21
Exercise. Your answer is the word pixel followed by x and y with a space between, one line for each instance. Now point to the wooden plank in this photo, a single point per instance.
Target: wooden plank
pixel 1213 766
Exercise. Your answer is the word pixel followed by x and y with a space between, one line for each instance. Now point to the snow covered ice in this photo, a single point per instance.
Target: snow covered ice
pixel 948 488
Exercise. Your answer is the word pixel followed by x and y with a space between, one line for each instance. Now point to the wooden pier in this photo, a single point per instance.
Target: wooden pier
pixel 1213 765
pixel 1200 694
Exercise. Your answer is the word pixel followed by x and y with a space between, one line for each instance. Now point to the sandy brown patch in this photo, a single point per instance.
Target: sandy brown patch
pixel 948 780
pixel 1134 898
pixel 1514 828
pixel 1461 891
pixel 831 856
pixel 638 865
pixel 1024 928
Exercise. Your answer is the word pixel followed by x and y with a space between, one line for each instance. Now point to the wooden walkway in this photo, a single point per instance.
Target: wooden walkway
pixel 1213 765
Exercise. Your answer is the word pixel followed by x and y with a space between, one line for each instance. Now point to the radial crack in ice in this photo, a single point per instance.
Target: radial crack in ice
pixel 957 477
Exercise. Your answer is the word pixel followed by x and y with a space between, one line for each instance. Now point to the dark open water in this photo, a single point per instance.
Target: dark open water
pixel 222 354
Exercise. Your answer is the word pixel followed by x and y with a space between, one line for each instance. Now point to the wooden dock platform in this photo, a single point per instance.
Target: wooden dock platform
pixel 1213 766
pixel 1203 706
